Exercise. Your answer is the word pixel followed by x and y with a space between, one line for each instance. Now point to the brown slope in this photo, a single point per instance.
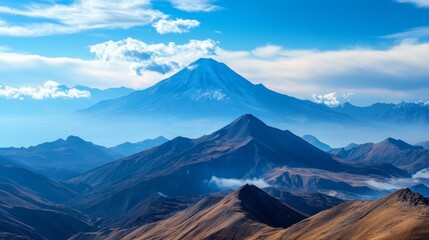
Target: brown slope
pixel 400 215
pixel 239 215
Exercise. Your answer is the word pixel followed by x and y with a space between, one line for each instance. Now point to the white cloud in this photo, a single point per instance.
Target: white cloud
pixel 418 3
pixel 424 173
pixel 267 51
pixel 195 5
pixel 29 69
pixel 381 185
pixel 78 16
pixel 414 33
pixel 49 89
pixel 233 183
pixel 329 99
pixel 161 58
pixel 179 25
pixel 347 96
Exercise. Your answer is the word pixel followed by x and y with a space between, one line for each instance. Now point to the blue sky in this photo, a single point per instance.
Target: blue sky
pixel 362 50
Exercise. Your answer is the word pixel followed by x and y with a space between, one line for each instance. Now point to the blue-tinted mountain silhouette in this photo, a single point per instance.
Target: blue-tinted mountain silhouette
pixel 317 143
pixel 128 148
pixel 62 158
pixel 207 88
pixel 402 113
pixel 392 151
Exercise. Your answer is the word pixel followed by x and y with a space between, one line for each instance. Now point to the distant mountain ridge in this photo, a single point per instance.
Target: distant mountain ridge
pixel 317 143
pixel 132 148
pixel 61 159
pixel 424 144
pixel 208 89
pixel 393 151
pixel 404 113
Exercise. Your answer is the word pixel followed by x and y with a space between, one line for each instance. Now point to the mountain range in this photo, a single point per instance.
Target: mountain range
pixel 393 151
pixel 250 213
pixel 182 189
pixel 404 113
pixel 245 149
pixel 244 212
pixel 31 207
pixel 61 159
pixel 128 148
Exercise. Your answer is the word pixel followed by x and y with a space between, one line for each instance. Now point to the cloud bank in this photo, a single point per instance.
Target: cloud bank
pixel 392 74
pixel 233 183
pixel 49 90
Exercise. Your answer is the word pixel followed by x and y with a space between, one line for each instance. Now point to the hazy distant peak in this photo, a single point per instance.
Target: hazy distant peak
pixel 244 126
pixel 72 138
pixel 399 144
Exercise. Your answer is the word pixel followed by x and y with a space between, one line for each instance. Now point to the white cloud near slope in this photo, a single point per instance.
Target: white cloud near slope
pixel 329 99
pixel 234 183
pixel 160 58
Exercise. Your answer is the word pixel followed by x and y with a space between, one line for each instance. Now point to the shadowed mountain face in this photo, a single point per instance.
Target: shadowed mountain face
pixel 209 89
pixel 128 148
pixel 237 216
pixel 244 149
pixel 308 203
pixel 317 143
pixel 62 158
pixel 393 151
pixel 400 215
pixel 29 207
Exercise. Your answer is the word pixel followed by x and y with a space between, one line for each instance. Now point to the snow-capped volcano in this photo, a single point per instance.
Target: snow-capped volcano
pixel 207 88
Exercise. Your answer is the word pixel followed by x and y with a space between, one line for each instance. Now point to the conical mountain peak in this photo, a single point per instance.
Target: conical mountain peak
pixel 260 206
pixel 205 61
pixel 72 138
pixel 245 126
